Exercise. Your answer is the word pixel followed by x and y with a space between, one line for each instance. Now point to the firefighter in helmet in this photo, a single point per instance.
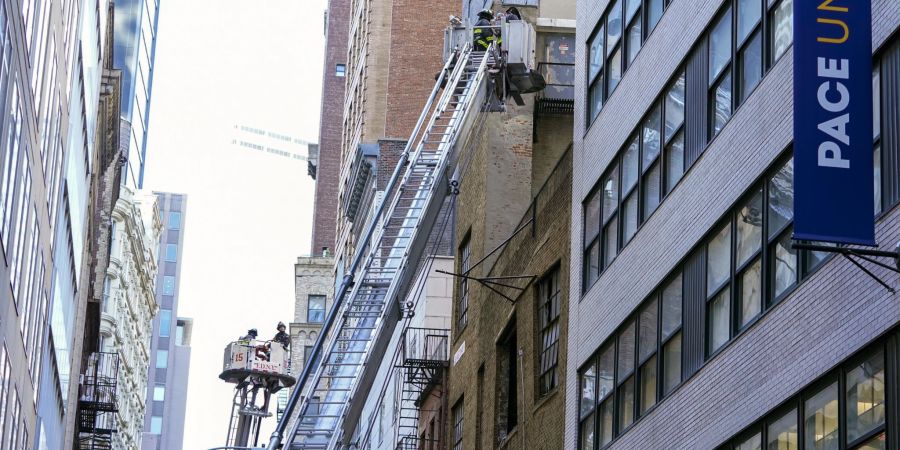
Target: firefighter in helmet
pixel 483 34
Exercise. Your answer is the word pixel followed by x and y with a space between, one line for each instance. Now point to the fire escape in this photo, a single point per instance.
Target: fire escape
pixel 424 359
pixel 97 402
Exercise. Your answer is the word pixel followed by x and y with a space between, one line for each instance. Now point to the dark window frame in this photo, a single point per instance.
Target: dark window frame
pixel 462 298
pixel 547 318
pixel 458 415
pixel 310 309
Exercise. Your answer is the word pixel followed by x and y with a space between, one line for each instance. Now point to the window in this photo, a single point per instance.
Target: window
pixel 315 312
pixel 720 72
pixel 340 70
pixel 174 220
pixel 718 271
pixel 749 45
pixel 458 425
pixel 162 359
pixel 636 182
pixel 462 305
pixel 548 323
pixel 634 370
pixel 781 29
pixel 155 425
pixel 876 134
pixel 507 382
pixel 165 322
pixel 615 44
pixel 159 393
pixel 168 285
pixel 171 252
pixel 858 387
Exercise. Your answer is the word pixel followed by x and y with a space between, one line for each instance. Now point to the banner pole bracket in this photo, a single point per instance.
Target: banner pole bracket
pixel 863 254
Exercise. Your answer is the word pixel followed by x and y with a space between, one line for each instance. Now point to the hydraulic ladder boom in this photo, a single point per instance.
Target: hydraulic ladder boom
pixel 387 258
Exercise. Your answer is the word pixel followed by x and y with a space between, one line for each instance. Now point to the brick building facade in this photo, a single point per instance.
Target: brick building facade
pixel 694 323
pixel 327 168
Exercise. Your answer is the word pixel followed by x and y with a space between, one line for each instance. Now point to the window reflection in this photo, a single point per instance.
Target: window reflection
pixel 821 420
pixel 865 397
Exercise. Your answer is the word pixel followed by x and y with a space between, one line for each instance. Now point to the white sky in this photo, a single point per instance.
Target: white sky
pixel 220 63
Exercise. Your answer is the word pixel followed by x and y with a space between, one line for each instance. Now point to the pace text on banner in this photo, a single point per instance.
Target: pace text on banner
pixel 833 174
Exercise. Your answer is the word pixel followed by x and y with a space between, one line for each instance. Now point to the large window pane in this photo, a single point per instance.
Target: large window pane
pixel 626 404
pixel 610 246
pixel 749 228
pixel 629 218
pixel 876 102
pixel 751 292
pixel 606 412
pixel 718 259
pixel 588 397
pixel 720 45
pixel 865 397
pixel 751 65
pixel 674 161
pixel 785 265
pixel 613 26
pixel 675 107
pixel 648 385
pixel 634 40
pixel 748 15
pixel 781 199
pixel 610 193
pixel 592 217
pixel 626 351
pixel 672 364
pixel 821 420
pixel 782 25
pixel 651 191
pixel 605 373
pixel 654 13
pixel 592 265
pixel 630 165
pixel 596 97
pixel 783 432
pixel 671 307
pixel 651 137
pixel 752 443
pixel 596 54
pixel 587 433
pixel 614 70
pixel 647 330
pixel 719 312
pixel 721 104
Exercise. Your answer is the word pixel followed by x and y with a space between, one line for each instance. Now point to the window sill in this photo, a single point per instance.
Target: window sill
pixel 504 443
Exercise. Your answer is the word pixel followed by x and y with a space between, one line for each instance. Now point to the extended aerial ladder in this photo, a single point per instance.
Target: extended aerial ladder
pixel 368 301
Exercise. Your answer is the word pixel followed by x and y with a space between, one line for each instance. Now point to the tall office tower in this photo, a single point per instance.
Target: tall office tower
pixel 325 169
pixel 698 324
pixel 127 313
pixel 135 49
pixel 168 375
pixel 41 222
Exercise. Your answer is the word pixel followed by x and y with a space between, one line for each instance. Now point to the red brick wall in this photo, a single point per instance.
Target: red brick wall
pixel 328 173
pixel 417 41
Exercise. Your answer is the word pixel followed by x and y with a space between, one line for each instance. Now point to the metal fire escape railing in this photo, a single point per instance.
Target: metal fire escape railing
pixel 424 356
pixel 386 258
pixel 97 403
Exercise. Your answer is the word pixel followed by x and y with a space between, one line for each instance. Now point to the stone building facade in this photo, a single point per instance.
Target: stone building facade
pixel 129 306
pixel 313 297
pixel 695 323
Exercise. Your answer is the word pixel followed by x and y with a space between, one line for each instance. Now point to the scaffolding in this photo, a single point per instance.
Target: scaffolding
pixel 97 402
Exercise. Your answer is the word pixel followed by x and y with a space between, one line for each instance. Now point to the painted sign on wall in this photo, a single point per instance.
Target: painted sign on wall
pixel 833 173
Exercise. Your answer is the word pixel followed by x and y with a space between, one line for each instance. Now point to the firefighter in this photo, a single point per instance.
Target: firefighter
pixel 282 338
pixel 251 335
pixel 482 34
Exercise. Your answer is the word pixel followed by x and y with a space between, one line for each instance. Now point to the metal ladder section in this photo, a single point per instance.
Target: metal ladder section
pixel 408 396
pixel 392 257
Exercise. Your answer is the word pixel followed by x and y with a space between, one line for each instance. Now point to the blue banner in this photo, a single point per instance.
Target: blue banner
pixel 833 173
